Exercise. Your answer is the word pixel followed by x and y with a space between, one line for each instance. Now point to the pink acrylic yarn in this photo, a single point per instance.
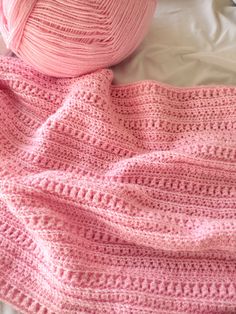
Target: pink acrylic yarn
pixel 66 38
pixel 116 199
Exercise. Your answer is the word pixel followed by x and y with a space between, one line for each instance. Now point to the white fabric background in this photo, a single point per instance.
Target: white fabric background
pixel 191 42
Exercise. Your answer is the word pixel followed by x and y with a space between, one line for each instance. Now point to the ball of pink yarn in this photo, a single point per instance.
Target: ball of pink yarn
pixel 66 38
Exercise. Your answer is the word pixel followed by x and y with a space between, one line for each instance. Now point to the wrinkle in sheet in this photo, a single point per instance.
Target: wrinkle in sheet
pixel 191 42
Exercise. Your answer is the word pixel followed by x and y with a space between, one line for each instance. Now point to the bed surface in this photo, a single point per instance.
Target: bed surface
pixel 191 42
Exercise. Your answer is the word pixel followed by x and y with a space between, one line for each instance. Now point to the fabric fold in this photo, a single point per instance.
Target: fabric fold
pixel 116 199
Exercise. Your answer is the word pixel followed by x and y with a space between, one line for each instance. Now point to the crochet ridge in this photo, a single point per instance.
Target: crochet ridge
pixel 116 199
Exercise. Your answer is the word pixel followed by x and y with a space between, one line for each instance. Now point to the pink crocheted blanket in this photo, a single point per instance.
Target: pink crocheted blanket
pixel 116 199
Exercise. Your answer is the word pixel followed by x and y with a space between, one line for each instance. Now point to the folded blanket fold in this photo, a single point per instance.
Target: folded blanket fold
pixel 116 199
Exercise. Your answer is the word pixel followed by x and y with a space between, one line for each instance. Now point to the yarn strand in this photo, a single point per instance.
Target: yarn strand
pixel 74 37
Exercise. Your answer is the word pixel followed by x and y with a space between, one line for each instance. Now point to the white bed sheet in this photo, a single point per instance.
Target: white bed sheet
pixel 191 42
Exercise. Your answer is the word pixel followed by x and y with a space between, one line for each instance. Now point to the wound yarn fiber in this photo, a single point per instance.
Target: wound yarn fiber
pixel 66 38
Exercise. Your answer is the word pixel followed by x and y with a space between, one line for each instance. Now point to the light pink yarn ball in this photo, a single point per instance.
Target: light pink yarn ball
pixel 66 38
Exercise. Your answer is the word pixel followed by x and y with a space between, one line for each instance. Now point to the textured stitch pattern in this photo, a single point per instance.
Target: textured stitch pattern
pixel 116 199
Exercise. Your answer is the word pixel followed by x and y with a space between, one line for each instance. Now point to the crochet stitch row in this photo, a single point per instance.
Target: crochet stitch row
pixel 116 199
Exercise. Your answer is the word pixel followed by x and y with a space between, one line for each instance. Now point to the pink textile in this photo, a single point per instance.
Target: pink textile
pixel 3 49
pixel 74 37
pixel 116 199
